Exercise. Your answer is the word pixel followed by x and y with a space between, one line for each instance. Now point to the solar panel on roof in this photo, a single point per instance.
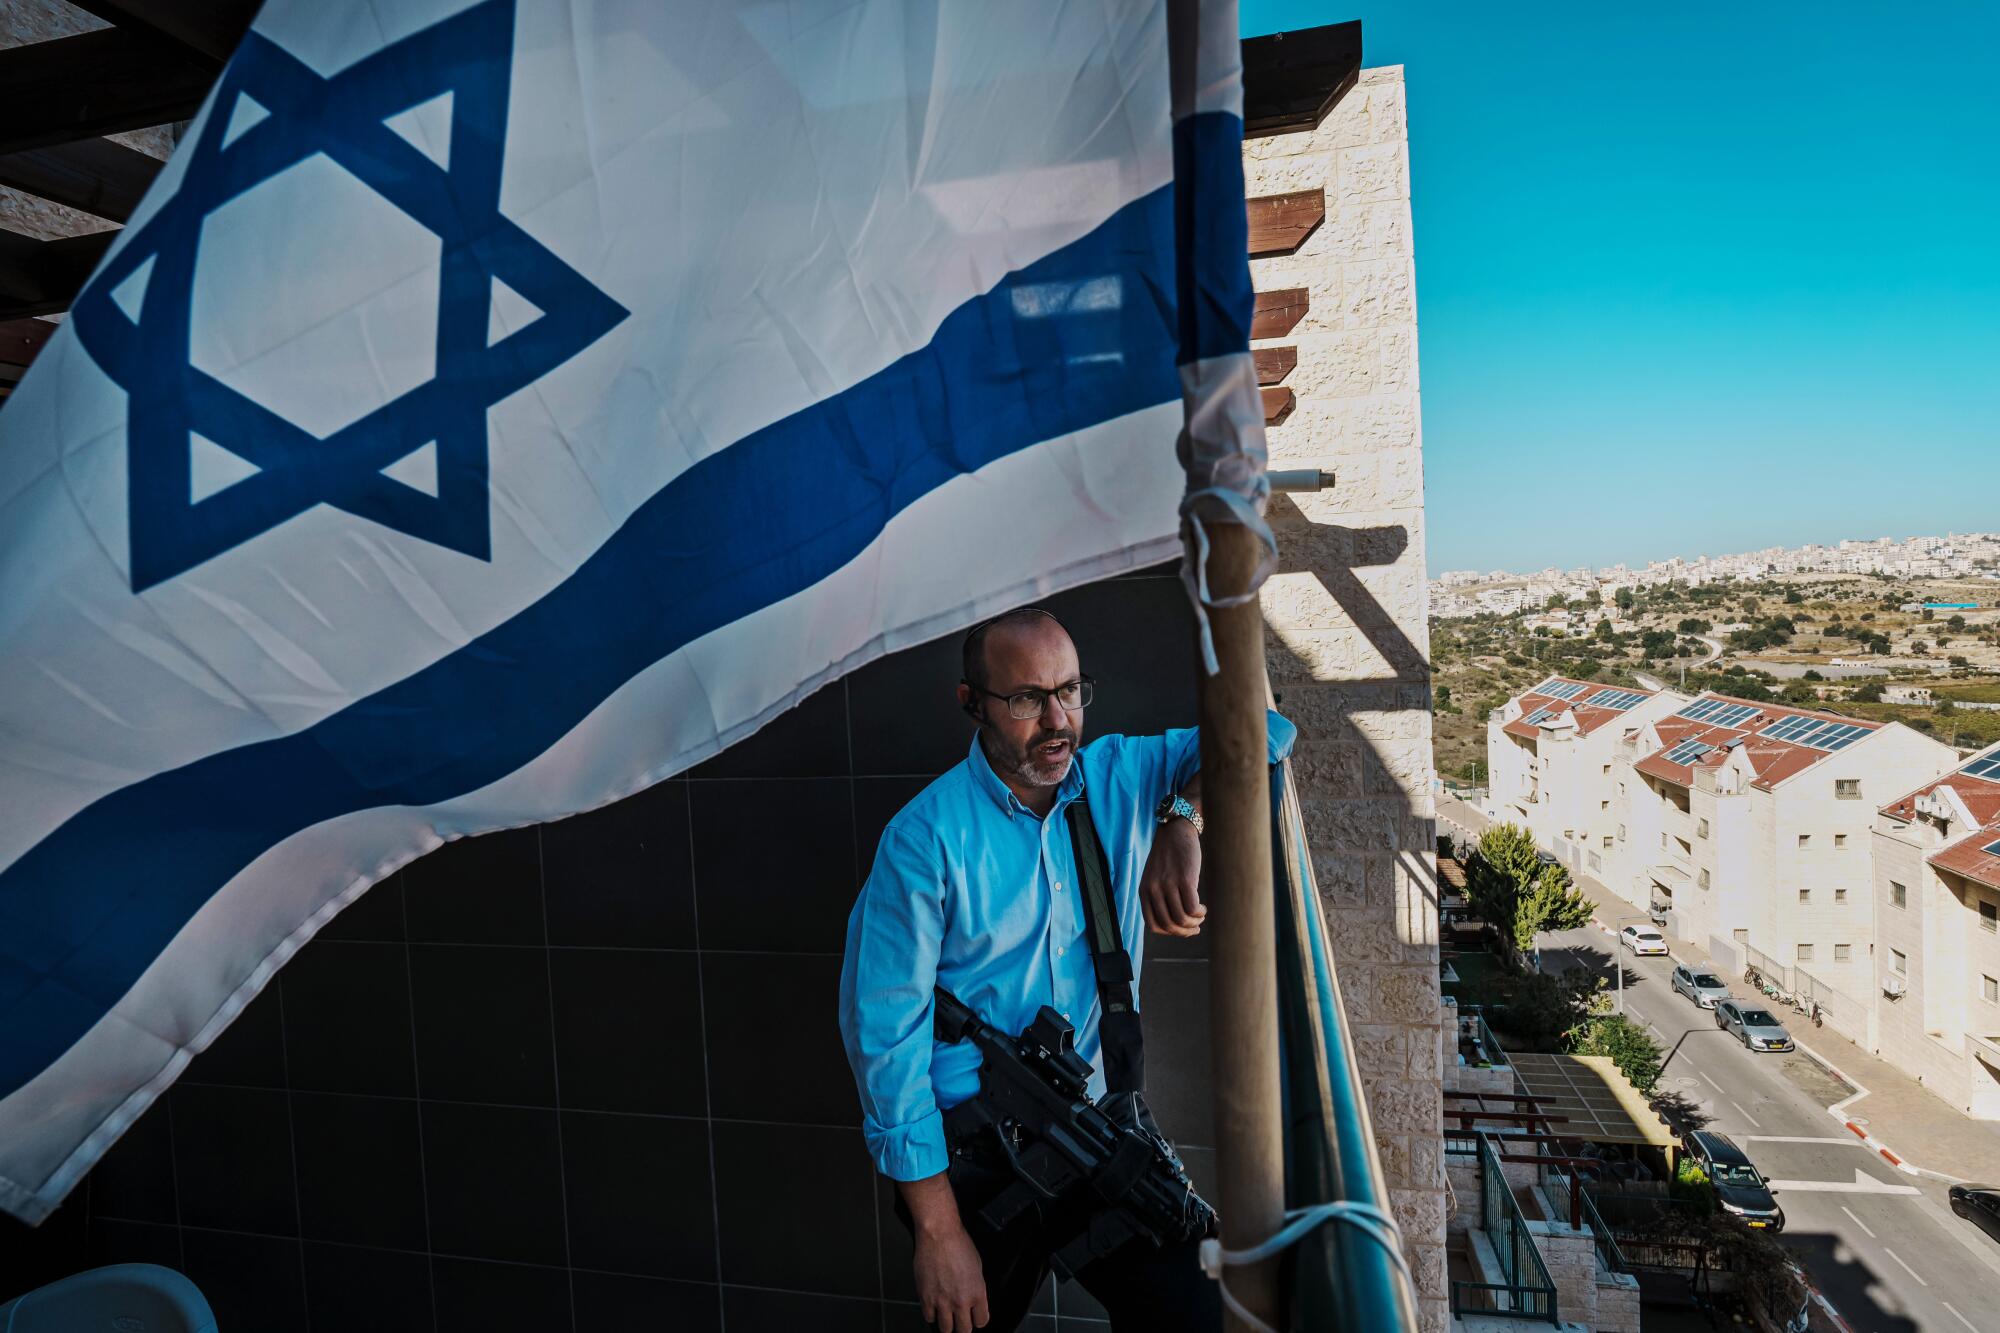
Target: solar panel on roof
pixel 1687 752
pixel 1560 689
pixel 1535 717
pixel 1982 768
pixel 1618 699
pixel 1791 728
pixel 1992 848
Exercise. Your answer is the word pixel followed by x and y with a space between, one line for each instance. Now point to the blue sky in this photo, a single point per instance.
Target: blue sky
pixel 1700 278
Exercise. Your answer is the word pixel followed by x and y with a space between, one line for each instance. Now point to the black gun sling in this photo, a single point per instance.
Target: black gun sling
pixel 1118 1029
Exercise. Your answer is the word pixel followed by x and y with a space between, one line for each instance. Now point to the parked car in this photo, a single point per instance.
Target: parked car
pixel 1738 1187
pixel 1759 1028
pixel 1700 985
pixel 1547 858
pixel 1643 939
pixel 1980 1203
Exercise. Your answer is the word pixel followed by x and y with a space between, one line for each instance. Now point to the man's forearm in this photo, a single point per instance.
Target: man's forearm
pixel 1192 790
pixel 933 1207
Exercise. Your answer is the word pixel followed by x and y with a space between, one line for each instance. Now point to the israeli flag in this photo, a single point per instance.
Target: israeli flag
pixel 495 408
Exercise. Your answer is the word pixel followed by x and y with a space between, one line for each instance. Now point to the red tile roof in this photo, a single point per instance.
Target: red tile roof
pixel 1969 857
pixel 1773 761
pixel 1588 717
pixel 1981 797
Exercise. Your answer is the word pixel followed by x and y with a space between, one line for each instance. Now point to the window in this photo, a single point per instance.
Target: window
pixel 1847 789
pixel 1843 953
pixel 1839 841
pixel 1805 839
pixel 1898 895
pixel 1741 935
pixel 1621 833
pixel 1805 953
pixel 1607 842
pixel 1703 830
pixel 1989 990
pixel 1607 770
pixel 1621 789
pixel 1805 895
pixel 1704 879
pixel 1840 895
pixel 1604 805
pixel 1663 840
pixel 1989 916
pixel 1899 962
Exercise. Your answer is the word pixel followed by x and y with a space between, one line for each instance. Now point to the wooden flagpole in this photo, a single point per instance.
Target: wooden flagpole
pixel 1242 928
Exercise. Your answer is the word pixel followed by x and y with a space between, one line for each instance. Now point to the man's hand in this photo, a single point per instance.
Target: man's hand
pixel 951 1281
pixel 1170 888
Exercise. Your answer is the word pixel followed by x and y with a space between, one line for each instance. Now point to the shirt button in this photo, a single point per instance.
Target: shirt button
pixel 1065 1015
pixel 1060 951
pixel 1058 886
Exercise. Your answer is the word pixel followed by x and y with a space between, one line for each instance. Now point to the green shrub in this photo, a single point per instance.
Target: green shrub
pixel 1630 1047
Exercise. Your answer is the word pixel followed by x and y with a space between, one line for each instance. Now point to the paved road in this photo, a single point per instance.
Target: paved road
pixel 1878 1243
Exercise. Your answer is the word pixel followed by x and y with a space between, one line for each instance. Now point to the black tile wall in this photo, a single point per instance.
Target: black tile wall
pixel 628 1031
pixel 484 1030
pixel 589 1076
pixel 639 1195
pixel 347 1018
pixel 381 1291
pixel 620 877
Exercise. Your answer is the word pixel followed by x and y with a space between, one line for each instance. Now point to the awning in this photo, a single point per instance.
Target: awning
pixel 1600 1104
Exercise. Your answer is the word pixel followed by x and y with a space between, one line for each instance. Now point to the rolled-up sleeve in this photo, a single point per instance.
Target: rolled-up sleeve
pixel 893 936
pixel 1183 747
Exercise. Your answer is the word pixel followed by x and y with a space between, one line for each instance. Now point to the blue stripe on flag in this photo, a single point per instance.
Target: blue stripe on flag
pixel 84 912
pixel 1214 243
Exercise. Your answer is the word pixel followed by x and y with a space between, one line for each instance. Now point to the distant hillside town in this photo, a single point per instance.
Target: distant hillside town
pixel 1466 592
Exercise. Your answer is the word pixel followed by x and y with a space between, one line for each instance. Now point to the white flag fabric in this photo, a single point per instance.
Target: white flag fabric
pixel 495 408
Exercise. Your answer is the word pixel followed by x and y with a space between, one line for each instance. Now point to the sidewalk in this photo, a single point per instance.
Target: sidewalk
pixel 1918 1128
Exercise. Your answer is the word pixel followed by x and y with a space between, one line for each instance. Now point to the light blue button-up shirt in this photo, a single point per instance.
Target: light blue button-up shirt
pixel 974 891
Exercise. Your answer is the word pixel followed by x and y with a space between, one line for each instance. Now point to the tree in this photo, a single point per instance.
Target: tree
pixel 1793 596
pixel 1693 625
pixel 1624 599
pixel 1552 902
pixel 1510 850
pixel 1556 602
pixel 1812 675
pixel 1868 692
pixel 1604 631
pixel 1631 1048
pixel 1443 698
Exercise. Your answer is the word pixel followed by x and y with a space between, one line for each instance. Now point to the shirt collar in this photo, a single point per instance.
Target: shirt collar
pixel 984 778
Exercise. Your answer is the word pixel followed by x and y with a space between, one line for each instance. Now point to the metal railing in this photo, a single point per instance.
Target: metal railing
pixel 1563 1187
pixel 1525 1290
pixel 1473 1033
pixel 1344 1279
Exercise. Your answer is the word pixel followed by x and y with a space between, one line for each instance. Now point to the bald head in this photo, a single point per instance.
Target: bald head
pixel 1025 629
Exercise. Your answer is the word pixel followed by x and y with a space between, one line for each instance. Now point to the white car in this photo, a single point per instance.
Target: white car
pixel 1643 939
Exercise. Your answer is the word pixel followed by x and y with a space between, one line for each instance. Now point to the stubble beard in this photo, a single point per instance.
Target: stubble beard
pixel 1030 764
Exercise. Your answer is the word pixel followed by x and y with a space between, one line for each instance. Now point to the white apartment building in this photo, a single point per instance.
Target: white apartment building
pixel 1751 825
pixel 1936 988
pixel 1549 757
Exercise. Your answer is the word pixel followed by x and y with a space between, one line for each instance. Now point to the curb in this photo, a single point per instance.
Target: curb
pixel 1839 1112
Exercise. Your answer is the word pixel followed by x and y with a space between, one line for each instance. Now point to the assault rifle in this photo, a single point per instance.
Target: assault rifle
pixel 1034 1107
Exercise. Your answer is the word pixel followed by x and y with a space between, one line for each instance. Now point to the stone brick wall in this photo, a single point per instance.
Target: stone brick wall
pixel 1347 615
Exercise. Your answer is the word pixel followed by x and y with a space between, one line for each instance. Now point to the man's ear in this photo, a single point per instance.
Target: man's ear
pixel 966 702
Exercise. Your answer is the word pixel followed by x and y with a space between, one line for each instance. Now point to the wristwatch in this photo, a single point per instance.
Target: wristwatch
pixel 1177 804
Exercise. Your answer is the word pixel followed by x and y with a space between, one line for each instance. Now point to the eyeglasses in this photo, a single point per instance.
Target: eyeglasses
pixel 1074 696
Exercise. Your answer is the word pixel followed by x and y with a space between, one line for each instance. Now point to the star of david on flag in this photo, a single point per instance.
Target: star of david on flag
pixel 421 124
pixel 496 408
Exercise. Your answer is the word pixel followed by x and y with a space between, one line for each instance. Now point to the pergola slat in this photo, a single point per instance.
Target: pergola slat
pixel 94 84
pixel 99 176
pixel 1280 223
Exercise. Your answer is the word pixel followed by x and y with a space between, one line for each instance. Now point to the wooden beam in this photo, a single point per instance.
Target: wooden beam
pixel 206 32
pixel 100 176
pixel 43 277
pixel 1274 363
pixel 91 85
pixel 21 339
pixel 1280 223
pixel 1278 313
pixel 1277 403
pixel 1292 79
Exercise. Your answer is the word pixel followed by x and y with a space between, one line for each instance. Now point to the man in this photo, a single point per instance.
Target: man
pixel 975 887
